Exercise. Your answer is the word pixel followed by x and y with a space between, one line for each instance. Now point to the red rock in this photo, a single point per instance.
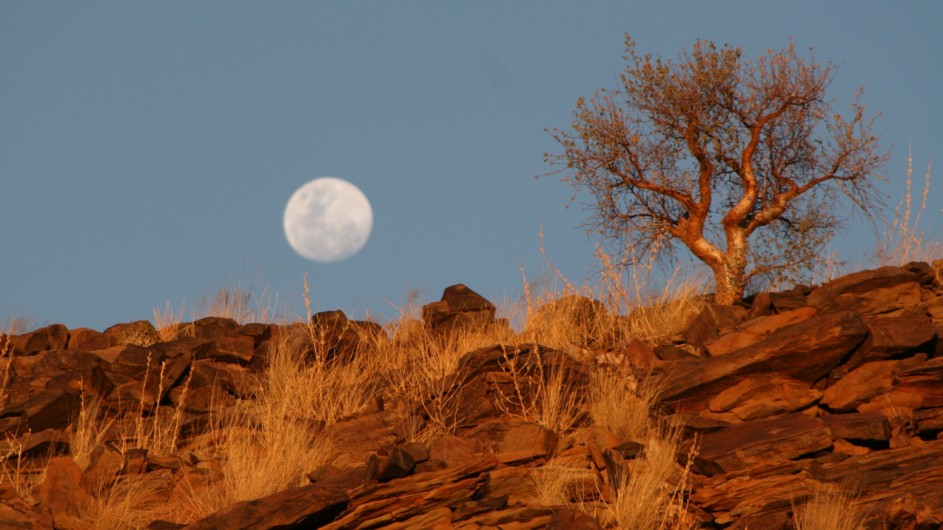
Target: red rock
pixel 859 426
pixel 454 451
pixel 860 282
pixel 764 395
pixel 894 337
pixel 883 478
pixel 860 385
pixel 756 330
pixel 233 349
pixel 806 351
pixel 53 337
pixel 211 328
pixel 711 321
pixel 781 437
pixel 526 443
pixel 61 493
pixel 86 339
pixel 458 307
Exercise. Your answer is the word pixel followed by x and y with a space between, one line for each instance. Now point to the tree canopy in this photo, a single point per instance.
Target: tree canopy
pixel 743 162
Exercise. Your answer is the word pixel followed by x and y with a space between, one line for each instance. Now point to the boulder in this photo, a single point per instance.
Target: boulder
pixel 459 307
pixel 61 493
pixel 53 337
pixel 337 337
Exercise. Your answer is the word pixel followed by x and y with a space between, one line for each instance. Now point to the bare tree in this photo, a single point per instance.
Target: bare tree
pixel 743 162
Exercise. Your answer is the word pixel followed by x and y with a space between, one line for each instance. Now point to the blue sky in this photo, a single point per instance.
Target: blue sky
pixel 147 149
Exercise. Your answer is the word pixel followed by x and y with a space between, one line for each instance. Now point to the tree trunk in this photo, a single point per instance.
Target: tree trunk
pixel 729 277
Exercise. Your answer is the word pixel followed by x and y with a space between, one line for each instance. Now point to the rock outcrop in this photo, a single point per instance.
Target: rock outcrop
pixel 840 384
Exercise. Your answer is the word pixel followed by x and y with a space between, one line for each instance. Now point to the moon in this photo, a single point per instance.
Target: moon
pixel 328 220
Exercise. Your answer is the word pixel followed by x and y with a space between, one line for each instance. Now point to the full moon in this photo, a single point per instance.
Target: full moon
pixel 327 220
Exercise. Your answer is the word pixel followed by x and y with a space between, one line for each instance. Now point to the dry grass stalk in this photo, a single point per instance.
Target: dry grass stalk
pixel 89 431
pixel 904 240
pixel 542 395
pixel 13 468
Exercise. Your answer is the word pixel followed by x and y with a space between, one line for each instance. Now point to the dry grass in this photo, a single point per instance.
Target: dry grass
pixel 905 240
pixel 650 492
pixel 90 430
pixel 155 428
pixel 559 484
pixel 829 508
pixel 622 406
pixel 237 303
pixel 624 303
pixel 129 503
pixel 545 395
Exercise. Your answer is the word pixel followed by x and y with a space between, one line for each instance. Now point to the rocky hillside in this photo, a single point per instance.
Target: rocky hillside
pixel 836 389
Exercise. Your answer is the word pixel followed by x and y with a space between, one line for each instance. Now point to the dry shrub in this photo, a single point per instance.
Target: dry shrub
pixel 829 508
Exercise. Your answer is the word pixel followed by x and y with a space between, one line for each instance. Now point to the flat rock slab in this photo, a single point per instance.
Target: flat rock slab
pixel 784 437
pixel 806 351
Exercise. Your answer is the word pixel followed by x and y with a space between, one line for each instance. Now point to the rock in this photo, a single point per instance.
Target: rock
pixel 105 464
pixel 459 307
pixel 859 426
pixel 784 437
pixel 61 493
pixel 806 351
pixel 526 443
pixel 86 339
pixel 860 385
pixel 709 323
pixel 312 506
pixel 863 282
pixel 895 337
pixel 54 408
pixel 54 337
pixel 212 328
pixel 233 349
pixel 356 439
pixel 337 337
pixel 753 331
pixel 453 451
pixel 399 464
pixel 764 395
pixel 882 478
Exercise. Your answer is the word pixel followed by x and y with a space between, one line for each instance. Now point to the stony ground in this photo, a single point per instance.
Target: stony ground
pixel 772 401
